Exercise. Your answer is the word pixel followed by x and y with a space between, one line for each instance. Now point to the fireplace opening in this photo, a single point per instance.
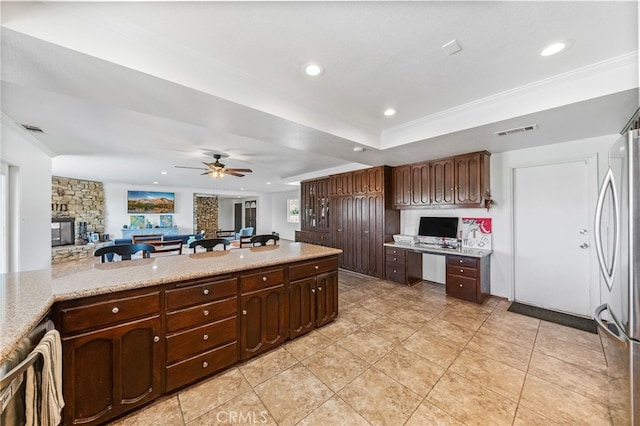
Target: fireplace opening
pixel 63 232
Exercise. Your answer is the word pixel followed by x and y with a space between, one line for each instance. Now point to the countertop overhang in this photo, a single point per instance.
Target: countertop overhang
pixel 26 297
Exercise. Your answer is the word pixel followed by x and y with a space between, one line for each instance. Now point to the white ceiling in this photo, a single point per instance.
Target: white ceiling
pixel 124 90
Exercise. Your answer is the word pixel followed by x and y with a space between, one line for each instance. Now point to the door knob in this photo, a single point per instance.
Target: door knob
pixel 584 245
pixel 583 232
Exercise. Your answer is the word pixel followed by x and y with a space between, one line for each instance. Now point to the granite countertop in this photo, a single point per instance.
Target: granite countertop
pixel 25 297
pixel 427 248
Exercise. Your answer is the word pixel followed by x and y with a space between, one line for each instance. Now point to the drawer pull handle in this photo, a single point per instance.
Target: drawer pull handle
pixel 115 310
pixel 205 337
pixel 205 291
pixel 395 258
pixel 460 260
pixel 461 270
pixel 205 364
pixel 205 312
pixel 394 271
pixel 156 339
pixel 460 285
pixel 319 288
pixel 313 290
pixel 317 267
pixel 264 278
pixel 244 312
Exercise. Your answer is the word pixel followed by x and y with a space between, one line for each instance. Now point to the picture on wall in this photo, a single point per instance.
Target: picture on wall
pixel 293 210
pixel 150 202
pixel 137 222
pixel 166 221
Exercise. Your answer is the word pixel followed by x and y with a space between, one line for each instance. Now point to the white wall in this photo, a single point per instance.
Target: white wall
pixel 279 214
pixel 115 205
pixel 30 235
pixel 502 165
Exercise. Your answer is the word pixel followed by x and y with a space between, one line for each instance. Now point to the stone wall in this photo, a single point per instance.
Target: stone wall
pixel 205 215
pixel 79 199
pixel 67 253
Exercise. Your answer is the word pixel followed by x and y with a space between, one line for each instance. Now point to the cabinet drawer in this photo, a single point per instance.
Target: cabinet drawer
pixel 110 312
pixel 462 271
pixel 193 369
pixel 181 345
pixel 468 262
pixel 396 273
pixel 201 314
pixel 461 287
pixel 394 252
pixel 309 269
pixel 396 259
pixel 201 293
pixel 261 280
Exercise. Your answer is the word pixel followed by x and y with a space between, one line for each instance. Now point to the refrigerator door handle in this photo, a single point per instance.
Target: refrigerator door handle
pixel 620 340
pixel 607 272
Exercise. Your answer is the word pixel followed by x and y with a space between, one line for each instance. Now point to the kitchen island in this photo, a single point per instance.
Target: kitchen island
pixel 150 326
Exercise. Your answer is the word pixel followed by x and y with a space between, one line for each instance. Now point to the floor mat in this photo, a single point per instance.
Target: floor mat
pixel 552 316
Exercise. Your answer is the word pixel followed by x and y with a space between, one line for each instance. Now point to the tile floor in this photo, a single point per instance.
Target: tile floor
pixel 407 356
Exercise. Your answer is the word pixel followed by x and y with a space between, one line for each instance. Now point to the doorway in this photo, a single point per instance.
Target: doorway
pixel 237 216
pixel 551 236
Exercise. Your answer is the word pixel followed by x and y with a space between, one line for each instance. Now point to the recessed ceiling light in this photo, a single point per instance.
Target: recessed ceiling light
pixel 155 182
pixel 164 173
pixel 241 189
pixel 268 183
pixel 552 49
pixel 389 112
pixel 313 69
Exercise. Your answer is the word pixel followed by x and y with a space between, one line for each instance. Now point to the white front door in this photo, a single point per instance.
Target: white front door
pixel 552 225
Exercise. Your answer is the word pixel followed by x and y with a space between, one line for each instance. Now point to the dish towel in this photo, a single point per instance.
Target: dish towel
pixel 43 390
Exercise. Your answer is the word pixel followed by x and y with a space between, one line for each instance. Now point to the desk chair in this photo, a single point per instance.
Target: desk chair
pixel 210 243
pixel 124 250
pixel 262 240
pixel 146 238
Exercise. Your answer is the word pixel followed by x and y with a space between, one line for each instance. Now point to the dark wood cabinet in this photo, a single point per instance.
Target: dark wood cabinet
pixel 341 184
pixel 472 179
pixel 113 369
pixel 412 186
pixel 342 233
pixel 442 175
pixel 314 213
pixel 312 237
pixel 202 331
pixel 401 186
pixel 264 305
pixel 403 266
pixel 313 295
pixel 468 278
pixel 250 214
pixel 368 181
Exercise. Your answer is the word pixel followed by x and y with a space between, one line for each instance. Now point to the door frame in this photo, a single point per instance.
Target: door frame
pixel 591 161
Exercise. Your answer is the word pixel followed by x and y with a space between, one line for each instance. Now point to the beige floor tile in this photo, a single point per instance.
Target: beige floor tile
pixel 207 395
pixel 562 405
pixel 571 335
pixel 243 409
pixel 165 411
pixel 380 399
pixel 335 366
pixel 526 417
pixel 337 330
pixel 380 306
pixel 466 318
pixel 514 355
pixel 390 329
pixel 414 372
pixel 572 353
pixel 366 345
pixel 517 321
pixel 430 415
pixel 413 315
pixel 359 315
pixel 438 351
pixel 582 380
pixel 334 412
pixel 471 403
pixel 266 366
pixel 353 297
pixel 508 332
pixel 503 305
pixel 307 345
pixel 293 394
pixel 447 331
pixel 496 376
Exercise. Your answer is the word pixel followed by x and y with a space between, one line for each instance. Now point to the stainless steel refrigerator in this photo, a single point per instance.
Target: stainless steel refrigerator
pixel 617 225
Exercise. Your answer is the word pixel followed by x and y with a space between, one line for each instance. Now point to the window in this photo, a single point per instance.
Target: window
pixel 293 210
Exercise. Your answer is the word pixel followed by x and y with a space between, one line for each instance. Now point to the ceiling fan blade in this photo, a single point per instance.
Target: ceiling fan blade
pixel 232 173
pixel 185 167
pixel 240 170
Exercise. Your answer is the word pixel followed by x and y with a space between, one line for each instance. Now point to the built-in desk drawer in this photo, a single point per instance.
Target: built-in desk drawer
pixel 467 262
pixel 261 280
pixel 462 271
pixel 201 293
pixel 309 269
pixel 195 340
pixel 197 367
pixel 201 314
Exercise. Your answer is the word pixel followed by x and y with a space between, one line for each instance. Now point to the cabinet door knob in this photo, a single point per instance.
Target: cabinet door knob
pixel 205 291
pixel 115 310
pixel 317 267
pixel 461 270
pixel 395 258
pixel 205 337
pixel 264 278
pixel 460 285
pixel 156 339
pixel 313 290
pixel 460 260
pixel 394 271
pixel 244 312
pixel 205 312
pixel 205 364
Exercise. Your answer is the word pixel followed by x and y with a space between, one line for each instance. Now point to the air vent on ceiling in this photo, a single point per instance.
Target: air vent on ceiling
pixel 32 128
pixel 517 130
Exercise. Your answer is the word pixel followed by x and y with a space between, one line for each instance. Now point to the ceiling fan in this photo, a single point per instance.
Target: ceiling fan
pixel 217 169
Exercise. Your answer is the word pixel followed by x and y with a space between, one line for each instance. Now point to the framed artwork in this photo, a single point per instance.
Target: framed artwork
pixel 150 202
pixel 137 222
pixel 293 210
pixel 166 221
pixel 476 232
